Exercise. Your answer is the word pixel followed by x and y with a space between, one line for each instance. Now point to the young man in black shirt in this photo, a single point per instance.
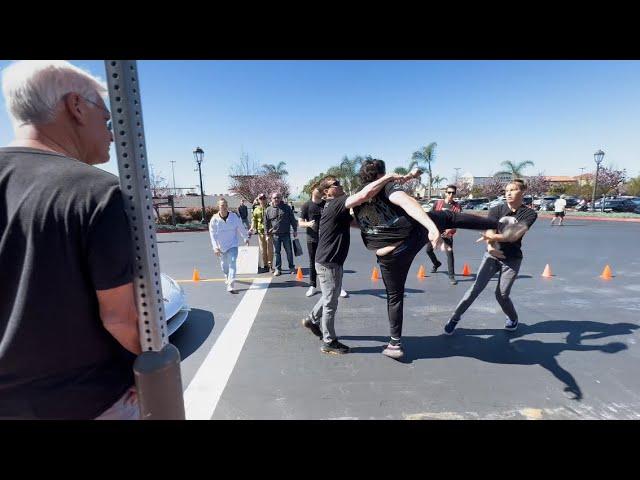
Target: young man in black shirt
pixel 504 259
pixel 310 214
pixel 68 320
pixel 333 247
pixel 394 225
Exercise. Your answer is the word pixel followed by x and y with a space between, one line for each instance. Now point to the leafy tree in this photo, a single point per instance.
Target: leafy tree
pixel 462 189
pixel 514 169
pixel 537 185
pixel 632 187
pixel 423 159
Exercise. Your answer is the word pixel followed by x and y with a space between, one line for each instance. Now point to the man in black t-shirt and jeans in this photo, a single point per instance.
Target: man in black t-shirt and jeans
pixel 68 320
pixel 310 214
pixel 333 247
pixel 504 259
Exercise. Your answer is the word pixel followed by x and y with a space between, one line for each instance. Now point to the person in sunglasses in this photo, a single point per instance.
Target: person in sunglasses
pixel 447 236
pixel 332 251
pixel 393 224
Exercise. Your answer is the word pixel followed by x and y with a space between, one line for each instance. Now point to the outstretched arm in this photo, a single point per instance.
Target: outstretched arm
pixel 370 190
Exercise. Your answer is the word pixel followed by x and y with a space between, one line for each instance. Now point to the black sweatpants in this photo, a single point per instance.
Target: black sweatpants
pixel 395 266
pixel 311 248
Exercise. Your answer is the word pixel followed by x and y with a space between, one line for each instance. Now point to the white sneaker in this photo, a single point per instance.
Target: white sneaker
pixel 230 287
pixel 343 293
pixel 310 292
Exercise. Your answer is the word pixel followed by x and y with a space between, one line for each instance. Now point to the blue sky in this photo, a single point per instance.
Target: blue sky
pixel 310 114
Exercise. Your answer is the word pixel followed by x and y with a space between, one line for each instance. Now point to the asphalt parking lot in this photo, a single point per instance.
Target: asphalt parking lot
pixel 574 355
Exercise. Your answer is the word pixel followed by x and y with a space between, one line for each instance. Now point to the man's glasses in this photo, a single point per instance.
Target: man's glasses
pixel 451 193
pixel 109 124
pixel 335 184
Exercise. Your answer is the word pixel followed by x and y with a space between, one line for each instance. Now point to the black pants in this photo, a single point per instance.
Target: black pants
pixel 450 260
pixel 311 248
pixel 395 266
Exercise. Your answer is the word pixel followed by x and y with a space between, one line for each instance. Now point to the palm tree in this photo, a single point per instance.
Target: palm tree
pixel 514 169
pixel 437 180
pixel 278 170
pixel 401 171
pixel 423 159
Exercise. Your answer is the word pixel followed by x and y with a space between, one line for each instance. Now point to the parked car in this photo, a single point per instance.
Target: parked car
pixel 527 200
pixel 537 201
pixel 471 203
pixel 176 309
pixel 616 205
pixel 571 201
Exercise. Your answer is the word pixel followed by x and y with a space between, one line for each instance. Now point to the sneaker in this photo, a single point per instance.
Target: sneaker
pixel 292 269
pixel 510 324
pixel 315 329
pixel 393 351
pixel 343 293
pixel 311 291
pixel 276 273
pixel 335 348
pixel 436 266
pixel 450 327
pixel 452 280
pixel 230 287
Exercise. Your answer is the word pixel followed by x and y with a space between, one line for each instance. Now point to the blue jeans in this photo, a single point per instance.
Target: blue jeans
pixel 283 240
pixel 228 263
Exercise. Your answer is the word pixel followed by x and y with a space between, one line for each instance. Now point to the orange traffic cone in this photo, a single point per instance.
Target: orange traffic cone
pixel 606 273
pixel 547 272
pixel 421 272
pixel 466 271
pixel 374 274
pixel 299 274
pixel 196 275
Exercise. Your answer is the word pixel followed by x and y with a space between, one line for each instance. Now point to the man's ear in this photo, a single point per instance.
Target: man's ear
pixel 75 107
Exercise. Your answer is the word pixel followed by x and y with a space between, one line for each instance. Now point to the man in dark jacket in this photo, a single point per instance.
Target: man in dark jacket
pixel 279 220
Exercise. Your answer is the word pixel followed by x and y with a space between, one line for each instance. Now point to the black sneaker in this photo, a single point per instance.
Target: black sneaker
pixel 450 327
pixel 335 347
pixel 510 324
pixel 315 329
pixel 452 280
pixel 436 266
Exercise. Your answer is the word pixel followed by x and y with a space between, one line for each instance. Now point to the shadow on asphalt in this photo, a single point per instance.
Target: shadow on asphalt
pixel 508 348
pixel 193 333
pixel 381 293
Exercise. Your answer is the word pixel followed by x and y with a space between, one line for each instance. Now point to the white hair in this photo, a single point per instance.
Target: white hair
pixel 33 88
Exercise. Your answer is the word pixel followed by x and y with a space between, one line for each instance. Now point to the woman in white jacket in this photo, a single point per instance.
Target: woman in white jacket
pixel 225 229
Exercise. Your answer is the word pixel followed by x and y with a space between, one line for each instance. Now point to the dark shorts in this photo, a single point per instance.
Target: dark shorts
pixel 559 214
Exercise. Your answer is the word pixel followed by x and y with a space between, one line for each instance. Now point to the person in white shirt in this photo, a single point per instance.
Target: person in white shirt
pixel 559 206
pixel 226 229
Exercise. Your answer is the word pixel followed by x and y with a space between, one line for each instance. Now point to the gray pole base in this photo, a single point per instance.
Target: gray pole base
pixel 159 384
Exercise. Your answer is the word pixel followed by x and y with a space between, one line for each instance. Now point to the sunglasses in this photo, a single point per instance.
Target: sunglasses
pixel 109 124
pixel 335 184
pixel 451 193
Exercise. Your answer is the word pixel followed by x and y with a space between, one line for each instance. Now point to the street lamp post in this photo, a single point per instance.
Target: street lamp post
pixel 598 156
pixel 198 153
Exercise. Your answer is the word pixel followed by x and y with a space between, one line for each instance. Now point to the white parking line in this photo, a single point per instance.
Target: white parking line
pixel 204 391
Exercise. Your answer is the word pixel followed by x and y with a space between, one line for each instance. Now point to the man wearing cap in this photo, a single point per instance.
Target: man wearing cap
pixel 257 226
pixel 558 208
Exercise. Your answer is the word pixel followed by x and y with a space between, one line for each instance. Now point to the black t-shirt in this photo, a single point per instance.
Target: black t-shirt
pixel 312 211
pixel 381 222
pixel 333 244
pixel 63 235
pixel 243 211
pixel 523 214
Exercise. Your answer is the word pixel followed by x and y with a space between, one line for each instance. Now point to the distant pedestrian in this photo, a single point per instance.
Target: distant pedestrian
pixel 279 221
pixel 243 211
pixel 559 207
pixel 226 231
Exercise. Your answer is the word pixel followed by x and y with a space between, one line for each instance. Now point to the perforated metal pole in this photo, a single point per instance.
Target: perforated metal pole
pixel 157 369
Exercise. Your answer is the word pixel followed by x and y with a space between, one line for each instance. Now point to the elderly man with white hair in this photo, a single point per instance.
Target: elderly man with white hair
pixel 68 321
